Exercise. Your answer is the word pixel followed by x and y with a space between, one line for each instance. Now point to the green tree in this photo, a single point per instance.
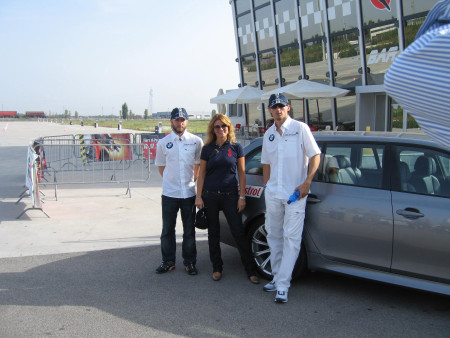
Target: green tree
pixel 213 112
pixel 66 114
pixel 76 114
pixel 124 111
pixel 146 114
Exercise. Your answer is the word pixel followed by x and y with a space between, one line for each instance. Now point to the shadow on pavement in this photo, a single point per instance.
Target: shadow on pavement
pixel 87 289
pixel 122 282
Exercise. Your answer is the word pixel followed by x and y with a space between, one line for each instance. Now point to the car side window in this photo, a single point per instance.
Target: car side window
pixel 371 158
pixel 353 164
pixel 253 163
pixel 423 171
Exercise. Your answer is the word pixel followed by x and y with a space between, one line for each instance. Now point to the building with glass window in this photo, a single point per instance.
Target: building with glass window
pixel 344 43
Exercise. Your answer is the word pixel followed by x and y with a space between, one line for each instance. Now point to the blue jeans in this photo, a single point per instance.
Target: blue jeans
pixel 170 207
pixel 227 202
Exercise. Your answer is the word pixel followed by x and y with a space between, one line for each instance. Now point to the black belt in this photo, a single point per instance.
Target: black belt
pixel 219 192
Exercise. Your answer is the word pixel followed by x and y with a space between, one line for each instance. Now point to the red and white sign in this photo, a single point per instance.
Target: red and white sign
pixel 150 151
pixel 253 191
pixel 382 4
pixel 151 140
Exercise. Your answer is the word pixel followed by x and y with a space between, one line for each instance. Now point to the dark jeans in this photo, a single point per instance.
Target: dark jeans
pixel 170 207
pixel 227 202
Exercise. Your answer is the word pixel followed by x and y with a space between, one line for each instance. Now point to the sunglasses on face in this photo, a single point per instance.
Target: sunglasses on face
pixel 278 105
pixel 223 126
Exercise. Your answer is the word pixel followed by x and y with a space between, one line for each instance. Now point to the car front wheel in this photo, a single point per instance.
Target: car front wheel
pixel 257 237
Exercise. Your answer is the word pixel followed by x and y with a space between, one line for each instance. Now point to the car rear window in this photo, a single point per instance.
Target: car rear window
pixel 423 171
pixel 352 164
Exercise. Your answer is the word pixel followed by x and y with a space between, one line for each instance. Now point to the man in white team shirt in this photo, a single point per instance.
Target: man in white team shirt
pixel 178 161
pixel 288 148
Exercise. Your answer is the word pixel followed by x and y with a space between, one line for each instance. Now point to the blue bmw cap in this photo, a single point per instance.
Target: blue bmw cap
pixel 278 98
pixel 179 112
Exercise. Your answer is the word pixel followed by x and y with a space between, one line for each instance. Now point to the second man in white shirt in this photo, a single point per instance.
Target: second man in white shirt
pixel 178 159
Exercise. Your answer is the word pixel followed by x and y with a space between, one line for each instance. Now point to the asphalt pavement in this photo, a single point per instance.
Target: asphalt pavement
pixel 88 270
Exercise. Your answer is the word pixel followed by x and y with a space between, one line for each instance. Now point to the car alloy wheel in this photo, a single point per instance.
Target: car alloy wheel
pixel 260 249
pixel 257 237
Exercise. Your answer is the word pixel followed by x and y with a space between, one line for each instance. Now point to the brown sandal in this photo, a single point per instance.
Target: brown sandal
pixel 254 279
pixel 216 276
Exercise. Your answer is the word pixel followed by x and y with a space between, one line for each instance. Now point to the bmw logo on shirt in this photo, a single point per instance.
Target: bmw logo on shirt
pixel 271 137
pixel 169 145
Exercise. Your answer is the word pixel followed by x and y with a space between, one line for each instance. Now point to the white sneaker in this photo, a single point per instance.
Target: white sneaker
pixel 269 287
pixel 281 297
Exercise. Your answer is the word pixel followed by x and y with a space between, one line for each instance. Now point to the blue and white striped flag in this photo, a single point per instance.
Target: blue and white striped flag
pixel 419 78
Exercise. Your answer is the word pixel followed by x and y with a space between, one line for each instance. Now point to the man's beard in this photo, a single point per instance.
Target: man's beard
pixel 180 129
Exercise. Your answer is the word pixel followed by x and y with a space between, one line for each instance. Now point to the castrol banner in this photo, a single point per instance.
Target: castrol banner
pixel 253 191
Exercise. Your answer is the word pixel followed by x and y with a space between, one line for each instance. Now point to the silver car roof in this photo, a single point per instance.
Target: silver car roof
pixel 368 136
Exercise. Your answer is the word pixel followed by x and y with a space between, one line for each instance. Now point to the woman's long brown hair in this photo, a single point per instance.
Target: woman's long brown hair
pixel 211 136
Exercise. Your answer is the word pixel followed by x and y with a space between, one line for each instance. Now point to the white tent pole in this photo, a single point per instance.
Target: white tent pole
pixel 405 120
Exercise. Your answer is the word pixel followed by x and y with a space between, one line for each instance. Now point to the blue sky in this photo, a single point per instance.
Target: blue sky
pixel 91 56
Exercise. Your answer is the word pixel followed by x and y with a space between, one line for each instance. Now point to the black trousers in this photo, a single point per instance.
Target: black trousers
pixel 170 207
pixel 227 202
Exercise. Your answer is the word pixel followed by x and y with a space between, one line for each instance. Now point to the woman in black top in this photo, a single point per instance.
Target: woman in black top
pixel 217 189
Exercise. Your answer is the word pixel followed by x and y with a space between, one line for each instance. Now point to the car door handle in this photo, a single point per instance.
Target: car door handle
pixel 312 199
pixel 410 213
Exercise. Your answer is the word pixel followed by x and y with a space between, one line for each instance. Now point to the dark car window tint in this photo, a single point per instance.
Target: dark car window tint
pixel 353 164
pixel 445 160
pixel 318 174
pixel 423 171
pixel 253 163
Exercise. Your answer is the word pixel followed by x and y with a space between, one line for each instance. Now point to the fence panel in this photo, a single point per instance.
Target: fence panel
pixel 31 181
pixel 108 164
pixel 59 139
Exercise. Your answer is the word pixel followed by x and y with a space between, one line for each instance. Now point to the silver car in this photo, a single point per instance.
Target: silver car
pixel 379 208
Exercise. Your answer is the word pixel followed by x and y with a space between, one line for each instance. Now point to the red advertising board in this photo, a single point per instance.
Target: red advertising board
pixel 151 140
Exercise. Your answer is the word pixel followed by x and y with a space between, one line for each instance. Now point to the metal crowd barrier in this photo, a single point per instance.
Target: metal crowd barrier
pixel 31 180
pixel 66 139
pixel 60 139
pixel 82 163
pixel 89 159
pixel 151 139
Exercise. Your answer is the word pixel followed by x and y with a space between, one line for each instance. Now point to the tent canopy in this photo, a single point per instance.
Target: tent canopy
pixel 305 89
pixel 246 94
